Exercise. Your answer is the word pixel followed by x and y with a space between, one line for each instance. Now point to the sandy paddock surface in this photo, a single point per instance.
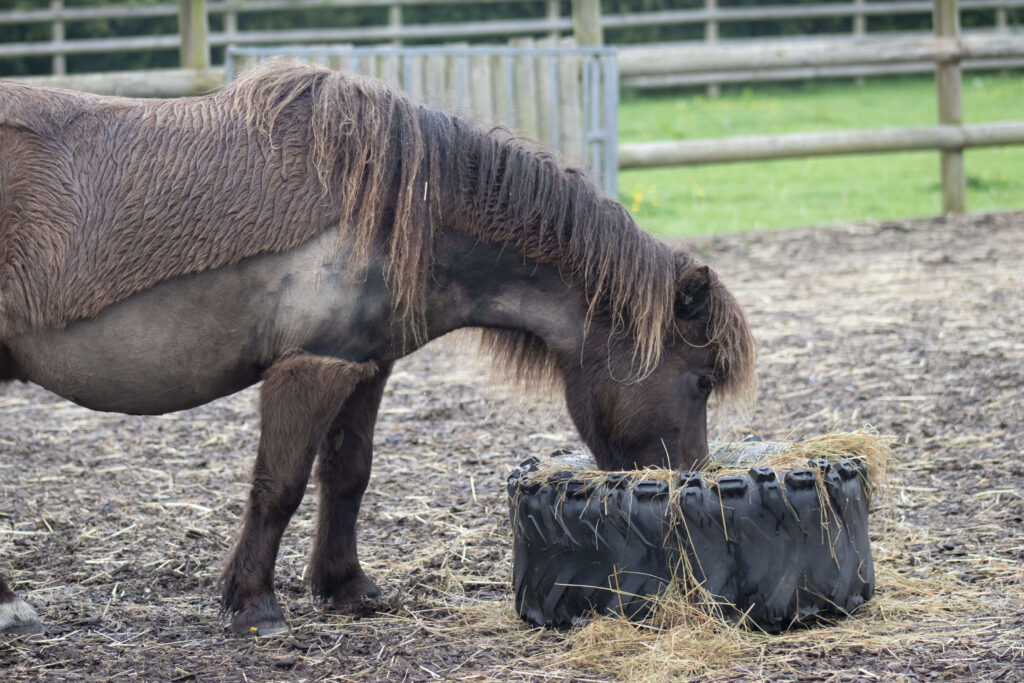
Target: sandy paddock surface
pixel 114 527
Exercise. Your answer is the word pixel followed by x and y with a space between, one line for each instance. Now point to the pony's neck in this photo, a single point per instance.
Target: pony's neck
pixel 510 195
pixel 481 285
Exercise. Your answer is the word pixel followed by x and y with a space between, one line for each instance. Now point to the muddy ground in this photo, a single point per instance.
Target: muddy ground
pixel 114 526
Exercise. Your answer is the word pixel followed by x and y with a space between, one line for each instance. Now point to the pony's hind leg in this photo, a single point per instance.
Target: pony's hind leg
pixel 299 398
pixel 343 472
pixel 16 616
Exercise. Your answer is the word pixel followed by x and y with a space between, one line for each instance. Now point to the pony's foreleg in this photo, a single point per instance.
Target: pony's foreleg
pixel 344 470
pixel 299 398
pixel 16 616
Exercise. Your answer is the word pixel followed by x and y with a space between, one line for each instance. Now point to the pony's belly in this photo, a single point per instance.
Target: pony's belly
pixel 196 338
pixel 130 359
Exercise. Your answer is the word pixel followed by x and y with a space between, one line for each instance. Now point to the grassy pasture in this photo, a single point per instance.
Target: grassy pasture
pixel 768 194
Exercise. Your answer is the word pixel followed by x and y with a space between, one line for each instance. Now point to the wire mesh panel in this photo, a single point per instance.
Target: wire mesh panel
pixel 565 96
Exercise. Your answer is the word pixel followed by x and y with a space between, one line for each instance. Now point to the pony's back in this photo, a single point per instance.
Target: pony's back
pixel 104 197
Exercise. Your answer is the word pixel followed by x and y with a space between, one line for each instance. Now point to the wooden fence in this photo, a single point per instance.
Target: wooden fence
pixel 947 49
pixel 537 20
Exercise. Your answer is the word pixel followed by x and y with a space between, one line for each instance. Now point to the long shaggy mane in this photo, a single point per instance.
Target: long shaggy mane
pixel 377 149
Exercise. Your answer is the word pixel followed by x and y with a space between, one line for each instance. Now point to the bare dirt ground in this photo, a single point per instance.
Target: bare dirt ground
pixel 114 526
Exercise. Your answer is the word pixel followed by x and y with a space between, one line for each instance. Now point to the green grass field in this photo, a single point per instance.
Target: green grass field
pixel 767 194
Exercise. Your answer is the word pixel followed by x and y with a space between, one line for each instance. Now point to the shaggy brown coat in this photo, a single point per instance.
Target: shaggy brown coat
pixel 103 197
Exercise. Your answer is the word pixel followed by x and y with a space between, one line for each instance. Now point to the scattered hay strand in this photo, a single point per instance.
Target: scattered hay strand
pixel 863 444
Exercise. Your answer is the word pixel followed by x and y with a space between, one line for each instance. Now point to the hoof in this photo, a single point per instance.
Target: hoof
pixel 19 619
pixel 264 618
pixel 29 628
pixel 353 593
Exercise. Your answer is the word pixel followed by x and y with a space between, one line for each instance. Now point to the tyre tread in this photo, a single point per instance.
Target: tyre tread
pixel 767 545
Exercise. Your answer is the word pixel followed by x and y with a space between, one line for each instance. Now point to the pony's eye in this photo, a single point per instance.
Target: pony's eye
pixel 705 384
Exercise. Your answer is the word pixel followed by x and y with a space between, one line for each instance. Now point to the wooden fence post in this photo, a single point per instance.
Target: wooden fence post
pixel 860 20
pixel 554 14
pixel 1002 25
pixel 711 36
pixel 193 27
pixel 947 82
pixel 230 24
pixel 57 36
pixel 860 28
pixel 586 22
pixel 395 23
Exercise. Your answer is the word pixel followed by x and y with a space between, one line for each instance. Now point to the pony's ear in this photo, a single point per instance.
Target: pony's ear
pixel 694 293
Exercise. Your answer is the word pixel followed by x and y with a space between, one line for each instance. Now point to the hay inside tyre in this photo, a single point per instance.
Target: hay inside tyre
pixel 773 535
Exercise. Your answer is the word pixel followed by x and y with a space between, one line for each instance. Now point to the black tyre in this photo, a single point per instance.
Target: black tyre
pixel 775 548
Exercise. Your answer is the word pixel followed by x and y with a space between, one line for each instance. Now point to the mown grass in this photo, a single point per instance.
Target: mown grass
pixel 747 196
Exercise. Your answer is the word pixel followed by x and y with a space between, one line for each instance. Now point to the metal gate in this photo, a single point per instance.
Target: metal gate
pixel 567 97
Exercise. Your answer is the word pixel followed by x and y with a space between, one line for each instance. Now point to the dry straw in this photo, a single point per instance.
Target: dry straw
pixel 863 445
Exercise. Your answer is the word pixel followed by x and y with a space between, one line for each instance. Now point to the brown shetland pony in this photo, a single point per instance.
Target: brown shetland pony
pixel 307 228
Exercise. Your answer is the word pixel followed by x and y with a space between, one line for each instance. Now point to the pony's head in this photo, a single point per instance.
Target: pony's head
pixel 659 418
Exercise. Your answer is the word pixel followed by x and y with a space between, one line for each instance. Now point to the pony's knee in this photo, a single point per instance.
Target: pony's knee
pixel 304 378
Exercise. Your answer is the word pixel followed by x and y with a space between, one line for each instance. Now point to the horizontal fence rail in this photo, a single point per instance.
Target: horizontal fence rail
pixel 677 59
pixel 799 145
pixel 667 80
pixel 138 83
pixel 367 34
